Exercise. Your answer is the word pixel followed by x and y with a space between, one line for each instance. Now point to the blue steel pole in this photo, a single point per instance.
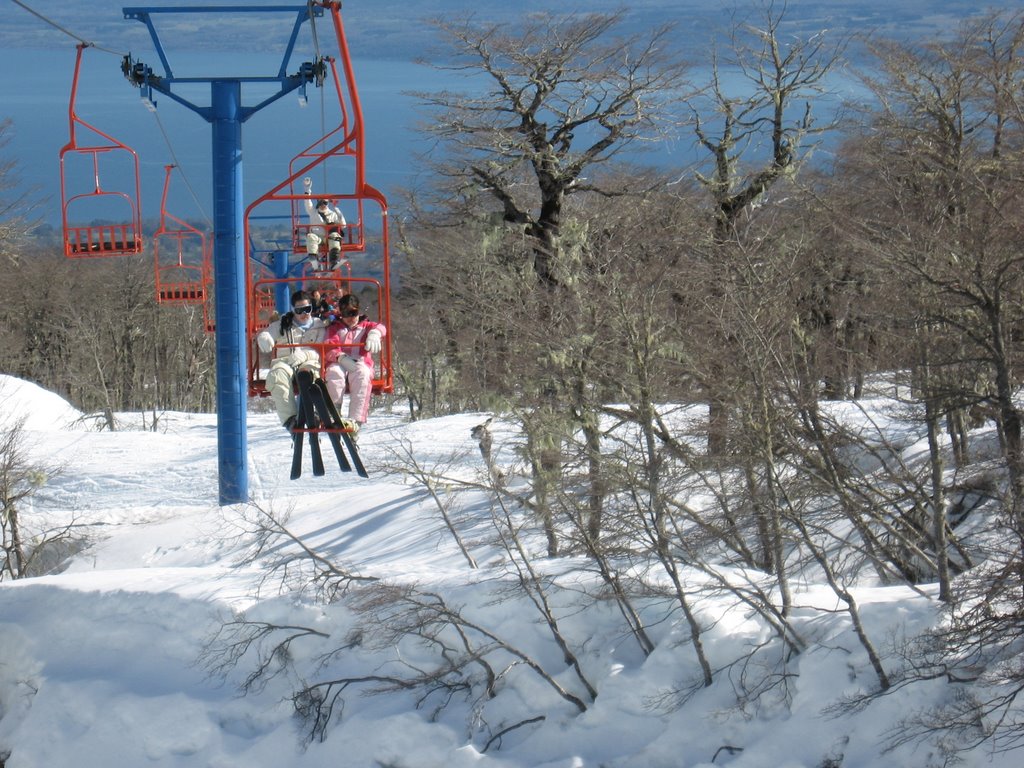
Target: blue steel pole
pixel 282 293
pixel 229 291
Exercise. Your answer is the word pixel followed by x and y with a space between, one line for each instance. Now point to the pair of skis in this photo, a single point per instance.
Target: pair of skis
pixel 317 413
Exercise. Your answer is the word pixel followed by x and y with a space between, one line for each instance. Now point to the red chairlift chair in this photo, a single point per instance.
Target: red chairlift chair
pixel 350 135
pixel 115 220
pixel 372 298
pixel 313 155
pixel 183 267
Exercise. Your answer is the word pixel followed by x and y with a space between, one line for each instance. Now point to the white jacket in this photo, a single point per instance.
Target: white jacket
pixel 333 218
pixel 269 339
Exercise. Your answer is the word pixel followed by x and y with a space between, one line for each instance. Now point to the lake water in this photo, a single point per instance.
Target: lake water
pixel 385 35
pixel 34 93
pixel 35 89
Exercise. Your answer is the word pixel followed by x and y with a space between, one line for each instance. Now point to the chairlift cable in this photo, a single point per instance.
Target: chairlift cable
pixel 67 32
pixel 323 129
pixel 312 28
pixel 319 61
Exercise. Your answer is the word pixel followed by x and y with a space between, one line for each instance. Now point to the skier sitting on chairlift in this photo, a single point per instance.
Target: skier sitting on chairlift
pixel 327 221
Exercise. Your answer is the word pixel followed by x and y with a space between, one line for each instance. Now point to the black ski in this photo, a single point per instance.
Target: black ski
pixel 327 418
pixel 336 422
pixel 299 424
pixel 354 453
pixel 307 395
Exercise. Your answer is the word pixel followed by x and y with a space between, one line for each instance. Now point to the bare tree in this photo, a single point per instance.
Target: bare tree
pixel 548 106
pixel 943 166
pixel 763 130
pixel 98 337
pixel 757 134
pixel 463 654
pixel 946 161
pixel 560 98
pixel 24 546
pixel 16 209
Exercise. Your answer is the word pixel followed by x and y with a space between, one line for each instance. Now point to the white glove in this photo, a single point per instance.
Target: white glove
pixel 265 342
pixel 307 184
pixel 373 341
pixel 349 364
pixel 305 358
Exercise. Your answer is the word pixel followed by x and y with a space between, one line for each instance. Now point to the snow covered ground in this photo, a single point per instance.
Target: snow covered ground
pixel 109 663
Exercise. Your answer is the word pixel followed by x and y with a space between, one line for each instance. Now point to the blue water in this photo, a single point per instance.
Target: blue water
pixel 37 102
pixel 385 36
pixel 35 90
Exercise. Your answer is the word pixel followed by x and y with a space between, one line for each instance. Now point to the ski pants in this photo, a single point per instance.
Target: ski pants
pixel 358 376
pixel 279 380
pixel 315 237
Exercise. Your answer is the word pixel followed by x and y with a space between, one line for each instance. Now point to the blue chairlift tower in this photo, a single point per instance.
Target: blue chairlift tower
pixel 226 112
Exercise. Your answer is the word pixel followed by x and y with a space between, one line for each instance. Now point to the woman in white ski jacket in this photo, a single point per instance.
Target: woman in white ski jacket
pixel 296 327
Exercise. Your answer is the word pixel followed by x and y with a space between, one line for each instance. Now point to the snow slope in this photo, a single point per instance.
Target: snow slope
pixel 103 663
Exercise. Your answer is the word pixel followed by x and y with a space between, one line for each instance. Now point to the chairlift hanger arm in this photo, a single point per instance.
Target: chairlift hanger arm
pixel 307 72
